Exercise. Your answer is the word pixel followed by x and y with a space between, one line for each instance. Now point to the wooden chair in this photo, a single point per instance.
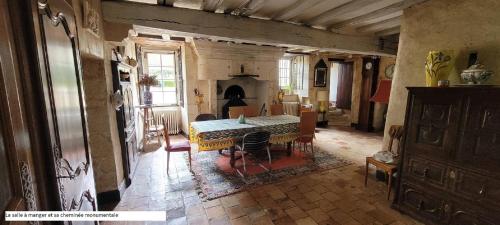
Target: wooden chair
pixel 236 111
pixel 254 143
pixel 181 146
pixel 395 133
pixel 277 109
pixel 205 117
pixel 307 127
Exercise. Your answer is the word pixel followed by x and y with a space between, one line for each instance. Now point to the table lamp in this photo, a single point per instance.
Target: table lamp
pixel 322 98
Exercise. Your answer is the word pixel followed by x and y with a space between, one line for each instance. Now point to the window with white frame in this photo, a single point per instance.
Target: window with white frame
pixel 284 73
pixel 162 65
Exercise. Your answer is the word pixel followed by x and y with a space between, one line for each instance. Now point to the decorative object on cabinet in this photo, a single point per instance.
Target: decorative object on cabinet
pixel 476 74
pixel 443 83
pixel 438 67
pixel 449 167
pixel 389 71
pixel 281 94
pixel 320 74
pixel 116 100
pixel 125 116
pixel 147 81
pixel 199 99
pixel 91 16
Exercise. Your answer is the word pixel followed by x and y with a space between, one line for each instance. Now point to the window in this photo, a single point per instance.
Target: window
pixel 162 65
pixel 300 72
pixel 284 73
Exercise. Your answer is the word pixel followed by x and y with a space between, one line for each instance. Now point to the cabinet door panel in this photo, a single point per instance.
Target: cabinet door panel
pixel 422 204
pixel 478 188
pixel 480 144
pixel 466 215
pixel 433 125
pixel 428 172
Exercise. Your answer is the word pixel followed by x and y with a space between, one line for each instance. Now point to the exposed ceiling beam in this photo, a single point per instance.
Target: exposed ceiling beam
pixel 332 13
pixel 382 25
pixel 376 14
pixel 197 23
pixel 166 2
pixel 211 5
pixel 295 9
pixel 390 31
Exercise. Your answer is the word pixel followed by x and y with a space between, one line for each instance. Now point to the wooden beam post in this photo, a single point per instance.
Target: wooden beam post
pixel 197 23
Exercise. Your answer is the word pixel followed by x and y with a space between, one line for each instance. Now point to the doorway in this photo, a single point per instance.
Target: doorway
pixel 341 80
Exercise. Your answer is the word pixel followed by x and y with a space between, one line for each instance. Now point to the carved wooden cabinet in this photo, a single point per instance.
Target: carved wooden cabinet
pixel 125 119
pixel 450 166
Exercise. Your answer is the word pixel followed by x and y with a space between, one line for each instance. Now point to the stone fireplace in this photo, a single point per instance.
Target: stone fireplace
pixel 236 73
pixel 240 92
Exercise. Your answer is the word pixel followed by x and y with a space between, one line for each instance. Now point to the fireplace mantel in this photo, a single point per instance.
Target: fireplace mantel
pixel 217 61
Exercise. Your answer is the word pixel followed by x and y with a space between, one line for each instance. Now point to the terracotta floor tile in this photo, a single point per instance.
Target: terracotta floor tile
pixel 318 215
pixel 331 197
pixel 306 221
pixel 198 220
pixel 215 212
pixel 312 196
pixel 235 212
pixel 211 203
pixel 286 220
pixel 244 220
pixel 296 213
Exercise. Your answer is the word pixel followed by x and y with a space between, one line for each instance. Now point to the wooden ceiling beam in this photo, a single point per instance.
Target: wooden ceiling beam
pixel 390 31
pixel 211 5
pixel 382 25
pixel 197 23
pixel 295 9
pixel 376 14
pixel 332 13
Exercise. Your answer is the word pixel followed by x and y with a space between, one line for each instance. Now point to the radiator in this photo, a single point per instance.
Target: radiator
pixel 172 118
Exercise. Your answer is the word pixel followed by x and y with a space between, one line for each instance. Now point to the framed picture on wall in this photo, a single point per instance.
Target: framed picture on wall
pixel 320 74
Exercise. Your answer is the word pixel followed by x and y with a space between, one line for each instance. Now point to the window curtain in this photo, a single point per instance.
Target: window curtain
pixel 344 85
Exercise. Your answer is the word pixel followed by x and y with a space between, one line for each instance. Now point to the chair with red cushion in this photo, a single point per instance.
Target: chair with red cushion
pixel 180 146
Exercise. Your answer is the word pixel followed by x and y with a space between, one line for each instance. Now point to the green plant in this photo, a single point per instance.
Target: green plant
pixel 147 80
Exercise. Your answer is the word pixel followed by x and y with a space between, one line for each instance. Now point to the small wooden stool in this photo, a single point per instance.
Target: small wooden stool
pixel 386 167
pixel 396 133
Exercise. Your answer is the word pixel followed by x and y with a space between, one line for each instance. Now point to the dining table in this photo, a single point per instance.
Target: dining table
pixel 214 135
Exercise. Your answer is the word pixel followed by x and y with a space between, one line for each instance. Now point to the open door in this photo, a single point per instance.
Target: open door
pixel 60 75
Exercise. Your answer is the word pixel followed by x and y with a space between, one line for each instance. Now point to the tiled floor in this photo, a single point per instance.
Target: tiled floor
pixel 336 196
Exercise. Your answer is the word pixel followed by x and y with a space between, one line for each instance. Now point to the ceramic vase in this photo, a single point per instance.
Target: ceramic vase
pixel 438 67
pixel 148 96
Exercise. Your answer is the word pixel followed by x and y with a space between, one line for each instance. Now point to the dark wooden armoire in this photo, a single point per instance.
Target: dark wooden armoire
pixel 450 166
pixel 126 119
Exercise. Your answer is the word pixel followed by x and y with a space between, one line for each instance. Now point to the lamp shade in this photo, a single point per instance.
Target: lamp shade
pixel 322 96
pixel 305 100
pixel 383 92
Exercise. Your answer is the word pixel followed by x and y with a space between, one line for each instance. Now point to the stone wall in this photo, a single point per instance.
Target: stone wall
pixel 101 120
pixel 460 25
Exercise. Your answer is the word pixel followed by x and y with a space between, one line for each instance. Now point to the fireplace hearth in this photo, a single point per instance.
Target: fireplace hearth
pixel 235 94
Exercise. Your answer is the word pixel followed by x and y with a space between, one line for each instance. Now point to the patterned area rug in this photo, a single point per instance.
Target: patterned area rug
pixel 217 179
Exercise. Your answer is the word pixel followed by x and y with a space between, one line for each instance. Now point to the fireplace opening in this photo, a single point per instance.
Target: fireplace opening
pixel 235 94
